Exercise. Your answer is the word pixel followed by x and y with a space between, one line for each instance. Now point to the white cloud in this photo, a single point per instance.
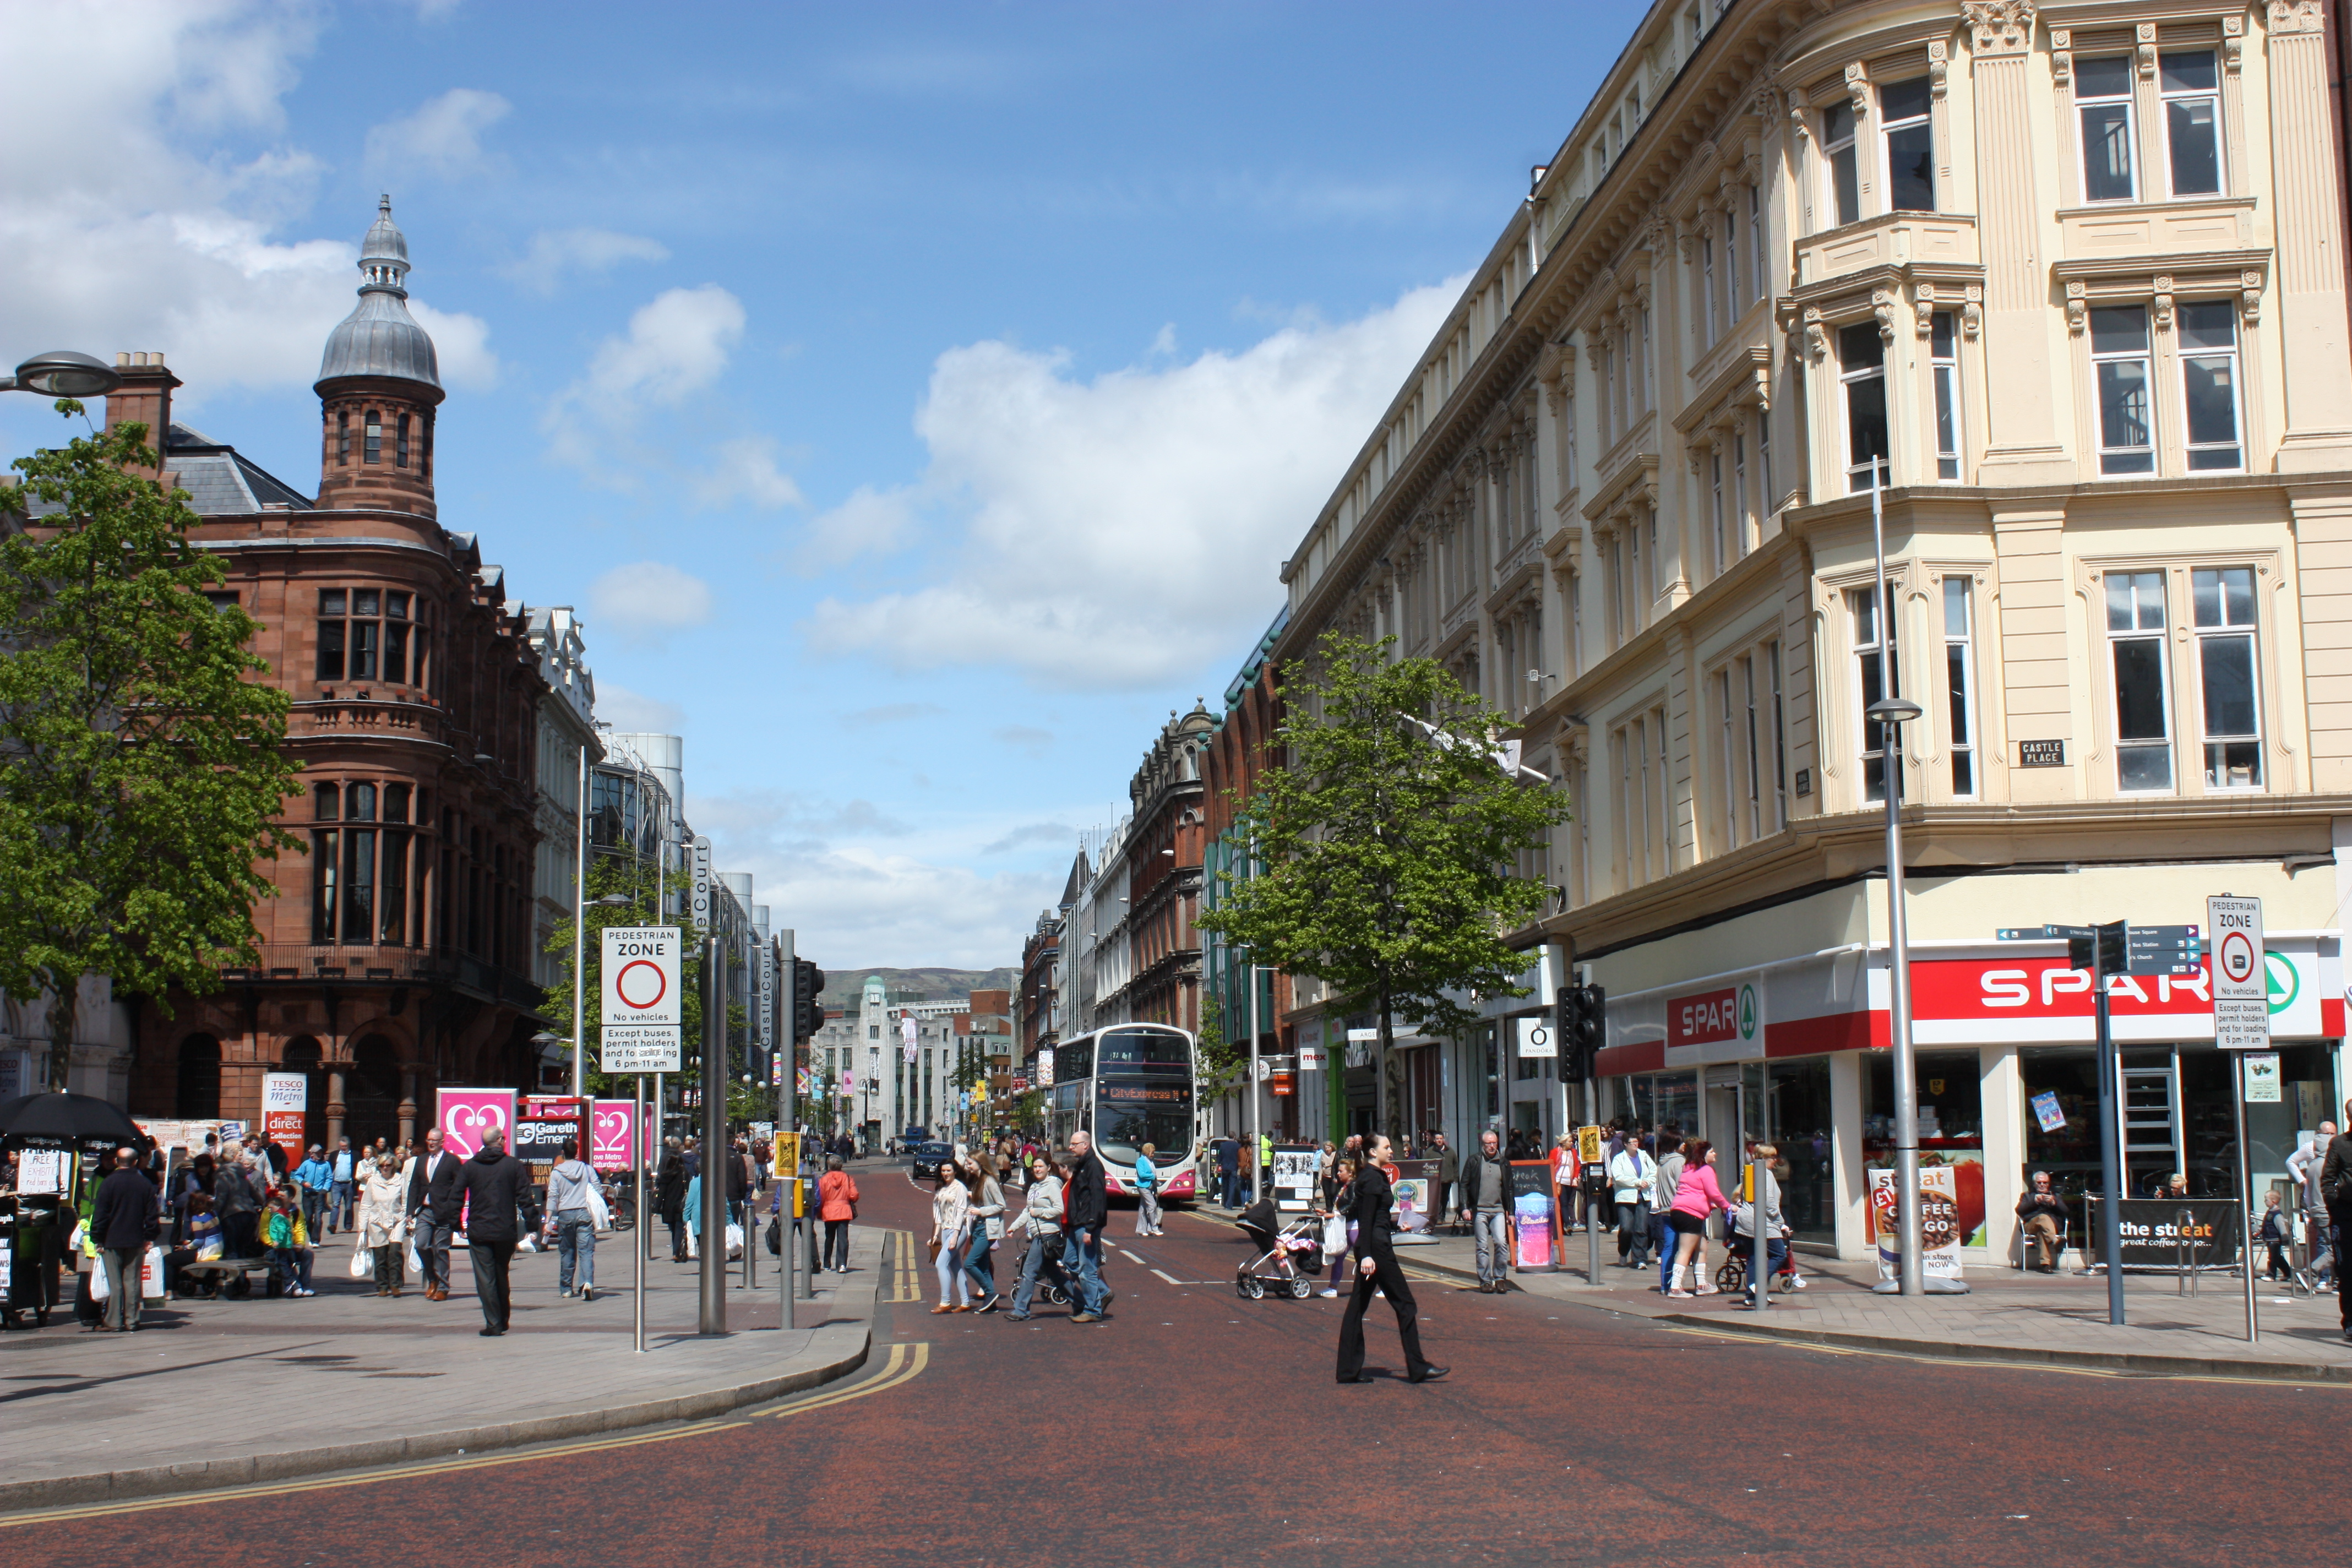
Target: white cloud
pixel 442 136
pixel 870 522
pixel 677 344
pixel 136 228
pixel 644 601
pixel 635 713
pixel 1106 524
pixel 746 470
pixel 558 255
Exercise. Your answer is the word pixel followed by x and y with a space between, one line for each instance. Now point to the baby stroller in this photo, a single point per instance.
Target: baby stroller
pixel 1288 1258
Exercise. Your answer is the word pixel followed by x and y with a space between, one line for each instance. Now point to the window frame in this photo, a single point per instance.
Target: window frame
pixel 2167 98
pixel 1864 613
pixel 1857 470
pixel 1842 163
pixel 2234 356
pixel 1889 127
pixel 2160 638
pixel 2202 633
pixel 2084 103
pixel 2113 459
pixel 1944 403
pixel 1963 730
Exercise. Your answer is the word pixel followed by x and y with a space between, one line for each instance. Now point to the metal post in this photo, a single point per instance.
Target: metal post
pixel 713 1217
pixel 2246 1197
pixel 1910 1279
pixel 1256 1175
pixel 1758 1173
pixel 1592 1208
pixel 579 933
pixel 637 1159
pixel 2111 1241
pixel 787 1092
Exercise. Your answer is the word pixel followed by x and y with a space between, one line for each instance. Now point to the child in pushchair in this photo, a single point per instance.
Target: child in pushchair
pixel 1287 1256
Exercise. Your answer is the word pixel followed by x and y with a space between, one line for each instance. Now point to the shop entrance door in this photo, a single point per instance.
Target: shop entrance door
pixel 1728 1105
pixel 2150 1092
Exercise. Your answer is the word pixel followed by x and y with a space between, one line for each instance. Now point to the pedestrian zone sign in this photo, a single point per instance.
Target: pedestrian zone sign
pixel 642 1013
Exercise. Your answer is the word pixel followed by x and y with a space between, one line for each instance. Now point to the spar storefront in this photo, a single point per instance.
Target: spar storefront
pixel 1791 1045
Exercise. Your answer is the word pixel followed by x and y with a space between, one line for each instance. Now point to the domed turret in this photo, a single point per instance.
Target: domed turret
pixel 378 385
pixel 379 338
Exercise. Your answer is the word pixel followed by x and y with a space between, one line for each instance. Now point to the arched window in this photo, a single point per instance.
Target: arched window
pixel 197 1095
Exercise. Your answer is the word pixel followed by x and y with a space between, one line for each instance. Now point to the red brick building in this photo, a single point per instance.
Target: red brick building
pixel 1164 872
pixel 394 957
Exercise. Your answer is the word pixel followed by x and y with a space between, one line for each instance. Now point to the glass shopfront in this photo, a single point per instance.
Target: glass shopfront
pixel 1951 1124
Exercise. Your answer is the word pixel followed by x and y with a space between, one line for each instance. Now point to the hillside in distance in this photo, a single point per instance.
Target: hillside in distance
pixel 842 985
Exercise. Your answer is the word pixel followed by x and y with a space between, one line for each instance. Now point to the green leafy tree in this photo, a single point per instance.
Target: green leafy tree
pixel 141 765
pixel 1387 848
pixel 1222 1061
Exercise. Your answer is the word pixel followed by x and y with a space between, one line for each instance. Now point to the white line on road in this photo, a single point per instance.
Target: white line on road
pixel 1132 1257
pixel 1170 1280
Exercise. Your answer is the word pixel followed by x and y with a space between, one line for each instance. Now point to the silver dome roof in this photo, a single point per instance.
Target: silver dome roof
pixel 380 338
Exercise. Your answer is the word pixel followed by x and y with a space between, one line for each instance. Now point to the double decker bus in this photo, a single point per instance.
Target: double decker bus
pixel 1127 1085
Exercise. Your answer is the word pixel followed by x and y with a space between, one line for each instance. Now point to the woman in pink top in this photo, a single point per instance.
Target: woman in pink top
pixel 1696 1195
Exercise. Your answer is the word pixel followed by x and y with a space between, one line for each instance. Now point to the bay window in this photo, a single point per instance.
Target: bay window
pixel 1904 121
pixel 1862 374
pixel 1943 354
pixel 1959 686
pixel 1845 169
pixel 1865 608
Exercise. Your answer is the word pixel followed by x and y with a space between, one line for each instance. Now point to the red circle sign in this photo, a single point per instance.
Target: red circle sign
pixel 2237 956
pixel 629 980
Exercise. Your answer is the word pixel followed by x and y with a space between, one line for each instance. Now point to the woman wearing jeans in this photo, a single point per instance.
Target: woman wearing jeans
pixel 1041 1218
pixel 987 1226
pixel 951 1223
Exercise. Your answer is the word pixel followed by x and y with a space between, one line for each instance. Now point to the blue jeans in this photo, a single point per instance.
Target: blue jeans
pixel 976 1260
pixel 1491 1231
pixel 1775 1253
pixel 575 1244
pixel 951 1264
pixel 340 1211
pixel 1229 1184
pixel 1084 1267
pixel 1033 1264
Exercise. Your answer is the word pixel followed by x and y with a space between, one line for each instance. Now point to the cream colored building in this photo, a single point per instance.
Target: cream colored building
pixel 2075 272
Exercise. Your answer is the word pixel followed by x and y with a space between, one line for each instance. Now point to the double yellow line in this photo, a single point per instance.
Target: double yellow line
pixel 904 1364
pixel 908 1285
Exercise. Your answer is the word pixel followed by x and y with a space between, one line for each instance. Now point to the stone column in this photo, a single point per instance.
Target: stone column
pixel 407 1103
pixel 334 1102
pixel 2305 211
pixel 2009 205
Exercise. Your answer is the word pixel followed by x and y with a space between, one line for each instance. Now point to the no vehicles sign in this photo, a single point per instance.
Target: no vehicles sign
pixel 2241 1019
pixel 641 988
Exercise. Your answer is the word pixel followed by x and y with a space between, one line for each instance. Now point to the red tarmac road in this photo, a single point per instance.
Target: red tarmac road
pixel 1198 1428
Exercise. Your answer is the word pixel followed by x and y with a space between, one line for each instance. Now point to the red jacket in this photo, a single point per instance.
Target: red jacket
pixel 836 1196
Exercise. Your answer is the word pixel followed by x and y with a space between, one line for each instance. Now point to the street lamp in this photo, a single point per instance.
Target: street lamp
pixel 61 372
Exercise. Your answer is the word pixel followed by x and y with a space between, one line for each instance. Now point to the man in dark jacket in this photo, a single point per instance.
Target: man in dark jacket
pixel 433 1209
pixel 1449 1175
pixel 491 1185
pixel 2336 1190
pixel 1228 1152
pixel 124 1218
pixel 1087 1204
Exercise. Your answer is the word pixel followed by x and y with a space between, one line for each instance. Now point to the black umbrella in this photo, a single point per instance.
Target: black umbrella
pixel 67 1121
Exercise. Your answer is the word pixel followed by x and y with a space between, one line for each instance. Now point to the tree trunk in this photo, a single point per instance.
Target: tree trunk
pixel 64 1012
pixel 1384 1099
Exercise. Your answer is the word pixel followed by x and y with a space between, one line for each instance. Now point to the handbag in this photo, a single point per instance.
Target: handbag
pixel 776 1235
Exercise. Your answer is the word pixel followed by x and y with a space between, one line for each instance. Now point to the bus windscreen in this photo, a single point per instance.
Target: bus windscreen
pixel 1130 1115
pixel 1142 1048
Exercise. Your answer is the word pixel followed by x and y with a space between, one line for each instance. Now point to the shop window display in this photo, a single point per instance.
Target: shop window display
pixel 1798 1101
pixel 1951 1125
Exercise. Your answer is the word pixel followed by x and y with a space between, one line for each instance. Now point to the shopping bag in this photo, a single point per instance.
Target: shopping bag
pixel 98 1289
pixel 734 1242
pixel 363 1263
pixel 416 1264
pixel 151 1275
pixel 600 1212
pixel 775 1237
pixel 693 1244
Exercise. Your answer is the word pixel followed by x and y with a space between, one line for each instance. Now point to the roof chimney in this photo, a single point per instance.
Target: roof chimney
pixel 145 398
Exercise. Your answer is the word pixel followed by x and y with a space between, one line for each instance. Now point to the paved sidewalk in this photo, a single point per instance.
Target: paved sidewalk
pixel 215 1393
pixel 2009 1315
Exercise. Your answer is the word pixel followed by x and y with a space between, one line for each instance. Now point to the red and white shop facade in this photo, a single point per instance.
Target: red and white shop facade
pixel 1793 1047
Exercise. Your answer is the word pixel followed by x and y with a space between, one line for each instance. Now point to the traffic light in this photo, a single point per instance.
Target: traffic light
pixel 808 1010
pixel 1582 1021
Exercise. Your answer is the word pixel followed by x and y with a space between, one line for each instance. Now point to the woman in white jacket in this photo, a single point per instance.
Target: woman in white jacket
pixel 381 1224
pixel 951 1226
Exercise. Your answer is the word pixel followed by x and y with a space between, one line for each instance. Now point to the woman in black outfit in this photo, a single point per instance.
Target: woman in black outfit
pixel 1376 1264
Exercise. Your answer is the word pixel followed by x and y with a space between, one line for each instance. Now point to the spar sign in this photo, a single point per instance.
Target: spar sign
pixel 1722 1025
pixel 641 990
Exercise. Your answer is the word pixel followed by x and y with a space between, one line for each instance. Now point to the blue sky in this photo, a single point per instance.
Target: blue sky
pixel 917 402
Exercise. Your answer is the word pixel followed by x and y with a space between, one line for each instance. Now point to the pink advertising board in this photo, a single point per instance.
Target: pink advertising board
pixel 612 1130
pixel 464 1114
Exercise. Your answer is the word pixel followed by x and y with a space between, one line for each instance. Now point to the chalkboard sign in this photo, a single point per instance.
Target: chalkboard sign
pixel 1535 1201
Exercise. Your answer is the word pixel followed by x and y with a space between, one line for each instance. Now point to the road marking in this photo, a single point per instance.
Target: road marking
pixel 1175 1281
pixel 909 1287
pixel 1134 1260
pixel 905 1362
pixel 1963 1362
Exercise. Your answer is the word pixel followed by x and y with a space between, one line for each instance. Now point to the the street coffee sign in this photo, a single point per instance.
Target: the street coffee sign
pixel 642 1012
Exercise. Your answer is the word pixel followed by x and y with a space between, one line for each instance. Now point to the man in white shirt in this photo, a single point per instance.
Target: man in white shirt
pixel 1631 1171
pixel 338 1210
